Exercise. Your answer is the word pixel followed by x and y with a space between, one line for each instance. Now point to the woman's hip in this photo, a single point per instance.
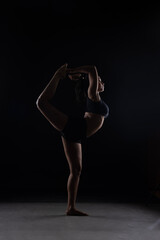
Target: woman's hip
pixel 75 129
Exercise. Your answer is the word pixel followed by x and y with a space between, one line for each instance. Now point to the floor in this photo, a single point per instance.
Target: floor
pixel 106 221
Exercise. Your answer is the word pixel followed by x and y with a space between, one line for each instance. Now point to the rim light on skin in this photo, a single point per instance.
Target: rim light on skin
pixel 100 85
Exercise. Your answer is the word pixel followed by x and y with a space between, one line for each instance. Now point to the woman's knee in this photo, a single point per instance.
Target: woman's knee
pixel 57 118
pixel 76 170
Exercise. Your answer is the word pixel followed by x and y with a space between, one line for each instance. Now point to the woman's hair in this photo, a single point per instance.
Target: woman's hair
pixel 81 88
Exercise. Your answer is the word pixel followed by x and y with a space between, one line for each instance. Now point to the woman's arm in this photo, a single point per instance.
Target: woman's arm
pixel 92 72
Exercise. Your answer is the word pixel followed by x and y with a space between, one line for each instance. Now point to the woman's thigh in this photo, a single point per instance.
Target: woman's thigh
pixel 73 153
pixel 57 118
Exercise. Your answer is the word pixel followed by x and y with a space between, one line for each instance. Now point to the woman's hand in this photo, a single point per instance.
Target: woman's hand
pixel 62 71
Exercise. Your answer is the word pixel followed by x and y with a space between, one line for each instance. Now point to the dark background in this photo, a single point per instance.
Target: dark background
pixel 123 41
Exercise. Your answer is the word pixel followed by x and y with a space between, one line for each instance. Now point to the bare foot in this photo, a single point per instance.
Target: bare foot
pixel 75 212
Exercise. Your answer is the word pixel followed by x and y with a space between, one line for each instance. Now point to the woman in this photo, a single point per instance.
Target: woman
pixel 74 130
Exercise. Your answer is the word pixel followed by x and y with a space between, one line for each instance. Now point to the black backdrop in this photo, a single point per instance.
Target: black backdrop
pixel 123 41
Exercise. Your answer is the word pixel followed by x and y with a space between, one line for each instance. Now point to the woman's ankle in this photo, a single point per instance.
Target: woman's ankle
pixel 70 208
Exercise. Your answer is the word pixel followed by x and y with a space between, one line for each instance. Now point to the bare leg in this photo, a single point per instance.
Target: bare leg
pixel 73 152
pixel 72 188
pixel 52 114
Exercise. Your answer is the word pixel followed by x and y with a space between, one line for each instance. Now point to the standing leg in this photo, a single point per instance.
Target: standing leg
pixel 73 152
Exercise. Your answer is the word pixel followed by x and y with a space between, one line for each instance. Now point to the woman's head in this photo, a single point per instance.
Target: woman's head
pixel 82 84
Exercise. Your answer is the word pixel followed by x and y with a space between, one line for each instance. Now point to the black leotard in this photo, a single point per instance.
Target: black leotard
pixel 75 129
pixel 100 107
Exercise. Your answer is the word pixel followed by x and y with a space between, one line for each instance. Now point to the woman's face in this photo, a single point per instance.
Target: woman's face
pixel 100 85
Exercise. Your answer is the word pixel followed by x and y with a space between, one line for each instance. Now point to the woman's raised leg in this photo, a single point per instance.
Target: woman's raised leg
pixel 73 152
pixel 52 114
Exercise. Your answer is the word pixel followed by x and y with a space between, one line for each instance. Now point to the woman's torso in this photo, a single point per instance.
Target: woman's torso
pixel 96 112
pixel 94 122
